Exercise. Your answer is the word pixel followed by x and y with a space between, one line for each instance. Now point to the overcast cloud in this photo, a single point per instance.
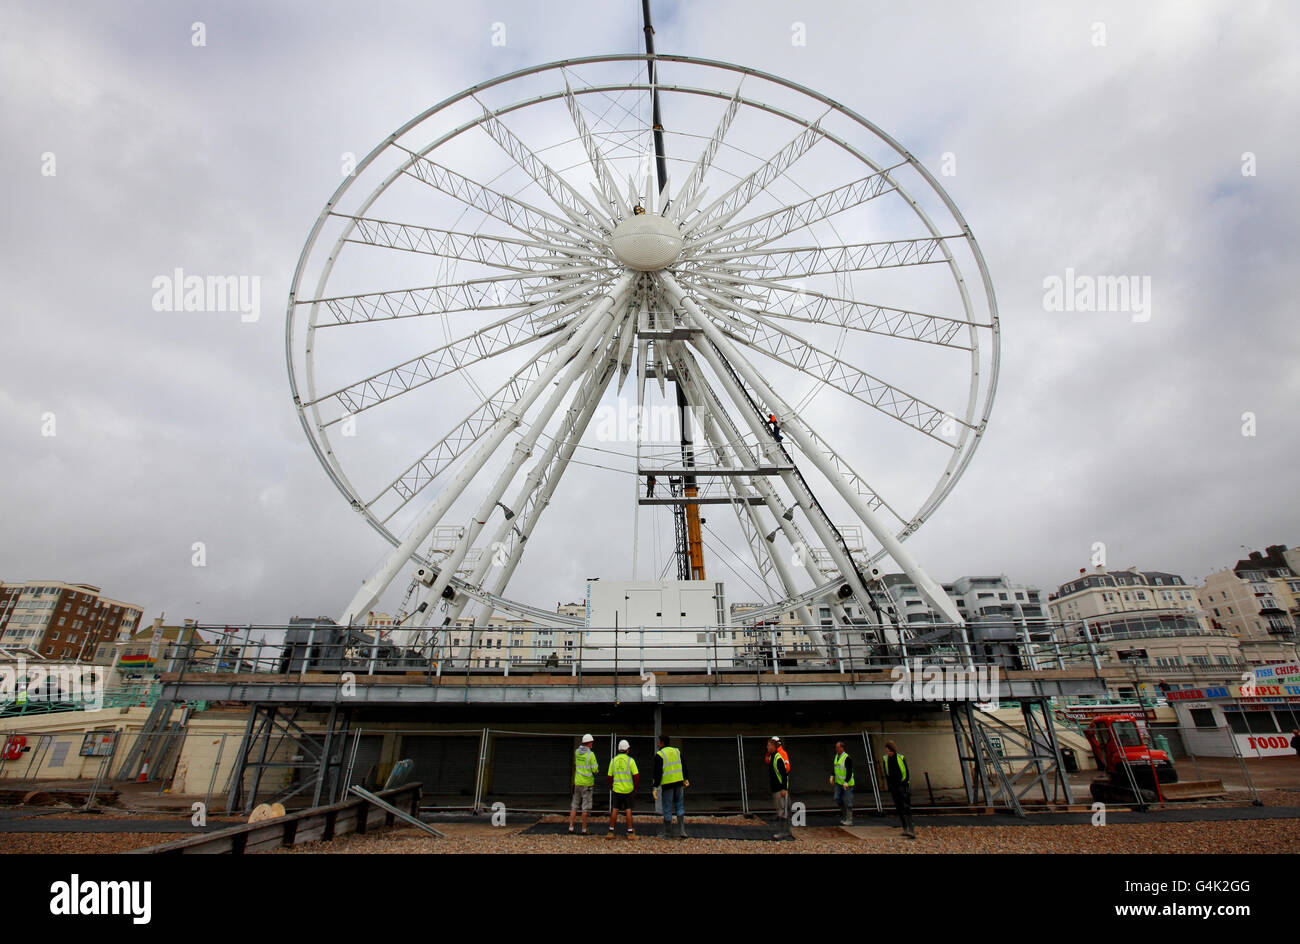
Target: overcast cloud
pixel 1120 159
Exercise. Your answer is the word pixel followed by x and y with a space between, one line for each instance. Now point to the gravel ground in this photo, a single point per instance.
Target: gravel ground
pixel 1263 836
pixel 80 843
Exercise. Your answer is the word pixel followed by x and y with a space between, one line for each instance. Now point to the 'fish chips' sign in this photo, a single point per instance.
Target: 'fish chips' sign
pixel 1272 674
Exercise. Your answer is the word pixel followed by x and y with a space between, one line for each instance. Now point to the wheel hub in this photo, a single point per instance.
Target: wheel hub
pixel 647 242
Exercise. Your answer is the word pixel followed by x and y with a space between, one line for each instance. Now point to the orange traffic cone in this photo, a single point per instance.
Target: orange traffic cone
pixel 144 772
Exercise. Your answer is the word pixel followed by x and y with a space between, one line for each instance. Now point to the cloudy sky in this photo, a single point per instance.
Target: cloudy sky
pixel 1154 140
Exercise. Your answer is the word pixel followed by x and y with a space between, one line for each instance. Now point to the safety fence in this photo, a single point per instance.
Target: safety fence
pixel 1169 762
pixel 475 769
pixel 526 771
pixel 134 695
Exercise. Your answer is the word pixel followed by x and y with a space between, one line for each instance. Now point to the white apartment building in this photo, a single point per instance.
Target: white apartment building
pixel 1258 601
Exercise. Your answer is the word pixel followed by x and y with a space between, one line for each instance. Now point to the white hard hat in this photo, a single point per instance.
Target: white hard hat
pixel 775 738
pixel 623 745
pixel 587 739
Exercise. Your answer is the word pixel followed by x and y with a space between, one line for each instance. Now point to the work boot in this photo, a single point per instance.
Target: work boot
pixel 631 835
pixel 681 829
pixel 668 830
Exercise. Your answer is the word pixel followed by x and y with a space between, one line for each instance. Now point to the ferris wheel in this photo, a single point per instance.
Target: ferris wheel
pixel 679 233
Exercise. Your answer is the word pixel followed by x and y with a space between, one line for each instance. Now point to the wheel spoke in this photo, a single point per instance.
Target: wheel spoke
pixel 790 349
pixel 484 294
pixel 514 212
pixel 815 308
pixel 760 230
pixel 860 485
pixel 501 252
pixel 416 476
pixel 691 188
pixel 582 215
pixel 720 211
pixel 604 177
pixel 505 335
pixel 804 263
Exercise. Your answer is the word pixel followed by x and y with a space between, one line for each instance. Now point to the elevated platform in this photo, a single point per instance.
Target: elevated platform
pixel 724 687
pixel 698 500
pixel 713 471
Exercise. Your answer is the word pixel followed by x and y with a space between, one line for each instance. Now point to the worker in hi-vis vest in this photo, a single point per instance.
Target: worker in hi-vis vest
pixel 670 781
pixel 585 768
pixel 777 762
pixel 623 779
pixel 842 777
pixel 900 786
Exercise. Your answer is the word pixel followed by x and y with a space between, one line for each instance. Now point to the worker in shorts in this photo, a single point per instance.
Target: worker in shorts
pixel 778 781
pixel 623 779
pixel 585 768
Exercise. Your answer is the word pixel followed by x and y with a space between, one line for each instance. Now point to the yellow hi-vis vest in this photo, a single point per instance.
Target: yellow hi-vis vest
pixel 902 766
pixel 672 759
pixel 585 767
pixel 623 768
pixel 839 771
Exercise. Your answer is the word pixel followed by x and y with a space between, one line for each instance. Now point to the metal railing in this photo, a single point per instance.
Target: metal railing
pixel 708 650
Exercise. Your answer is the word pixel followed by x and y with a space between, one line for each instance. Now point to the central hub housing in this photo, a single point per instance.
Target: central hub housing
pixel 647 243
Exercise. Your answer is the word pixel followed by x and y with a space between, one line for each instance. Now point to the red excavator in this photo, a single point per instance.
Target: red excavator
pixel 1134 771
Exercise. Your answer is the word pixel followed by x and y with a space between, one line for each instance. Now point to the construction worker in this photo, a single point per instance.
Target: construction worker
pixel 624 777
pixel 842 777
pixel 900 786
pixel 670 781
pixel 585 768
pixel 649 486
pixel 778 780
pixel 776 427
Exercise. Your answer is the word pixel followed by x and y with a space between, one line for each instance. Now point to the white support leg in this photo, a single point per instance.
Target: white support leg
pixel 928 587
pixel 370 591
pixel 585 361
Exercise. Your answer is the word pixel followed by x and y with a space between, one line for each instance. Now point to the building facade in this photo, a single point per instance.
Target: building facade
pixel 1151 624
pixel 978 599
pixel 1258 600
pixel 59 620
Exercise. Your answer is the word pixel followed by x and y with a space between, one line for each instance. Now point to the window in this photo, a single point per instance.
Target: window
pixel 1251 722
pixel 1203 717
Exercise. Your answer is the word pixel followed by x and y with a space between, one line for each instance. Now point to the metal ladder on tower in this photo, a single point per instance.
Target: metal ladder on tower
pixel 826 520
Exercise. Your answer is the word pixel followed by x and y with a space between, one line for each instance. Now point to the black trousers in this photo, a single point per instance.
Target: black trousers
pixel 902 795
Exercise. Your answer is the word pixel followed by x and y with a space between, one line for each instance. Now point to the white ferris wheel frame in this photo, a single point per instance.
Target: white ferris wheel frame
pixel 971 425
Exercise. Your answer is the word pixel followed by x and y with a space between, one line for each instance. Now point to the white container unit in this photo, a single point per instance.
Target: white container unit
pixel 664 625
